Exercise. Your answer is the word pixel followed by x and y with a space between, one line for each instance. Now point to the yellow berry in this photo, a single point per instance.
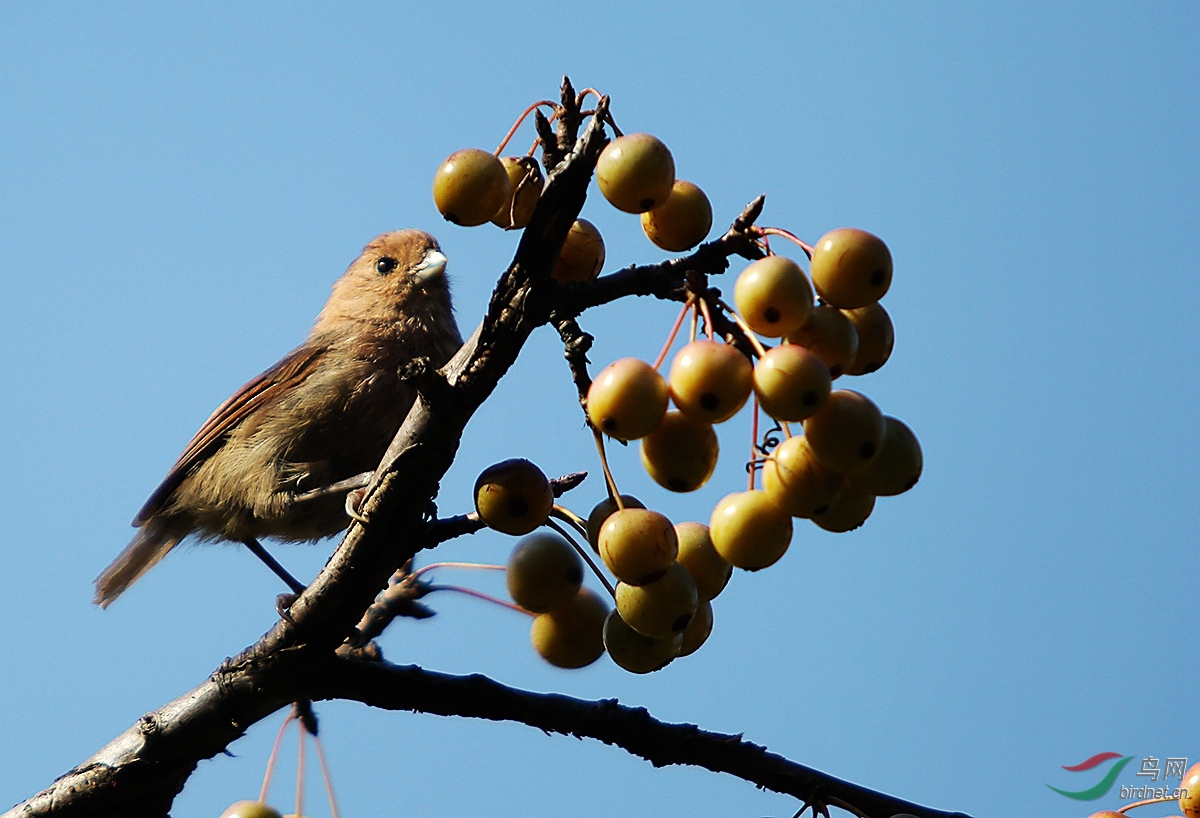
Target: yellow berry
pixel 851 267
pixel 602 512
pixel 710 571
pixel 582 255
pixel 627 399
pixel 635 172
pixel 681 453
pixel 791 382
pixel 710 381
pixel 846 433
pixel 250 809
pixel 524 189
pixel 849 511
pixel 513 497
pixel 773 296
pixel 470 187
pixel 1189 799
pixel 637 545
pixel 682 221
pixel 897 467
pixel 634 652
pixel 662 608
pixel 831 335
pixel 544 572
pixel 571 636
pixel 698 629
pixel 876 337
pixel 750 531
pixel 797 483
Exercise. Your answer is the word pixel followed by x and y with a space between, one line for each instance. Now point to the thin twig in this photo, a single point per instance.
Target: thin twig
pixel 586 557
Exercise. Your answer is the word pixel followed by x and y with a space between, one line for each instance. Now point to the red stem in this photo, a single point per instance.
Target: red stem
pixel 753 441
pixel 708 322
pixel 792 237
pixel 674 331
pixel 325 775
pixel 266 785
pixel 521 119
pixel 478 595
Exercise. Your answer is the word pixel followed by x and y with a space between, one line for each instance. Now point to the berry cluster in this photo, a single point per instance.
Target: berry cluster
pixel 848 454
pixel 635 172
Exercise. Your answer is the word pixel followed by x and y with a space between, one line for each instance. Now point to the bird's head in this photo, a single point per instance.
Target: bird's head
pixel 399 276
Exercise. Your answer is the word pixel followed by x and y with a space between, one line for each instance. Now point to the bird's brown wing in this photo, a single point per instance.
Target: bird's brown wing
pixel 295 366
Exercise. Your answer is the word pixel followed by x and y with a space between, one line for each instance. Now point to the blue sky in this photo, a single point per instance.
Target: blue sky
pixel 179 186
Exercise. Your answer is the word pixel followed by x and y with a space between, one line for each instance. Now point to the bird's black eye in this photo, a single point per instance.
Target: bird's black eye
pixel 385 265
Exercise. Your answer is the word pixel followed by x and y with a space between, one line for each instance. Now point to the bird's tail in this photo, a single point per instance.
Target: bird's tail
pixel 149 545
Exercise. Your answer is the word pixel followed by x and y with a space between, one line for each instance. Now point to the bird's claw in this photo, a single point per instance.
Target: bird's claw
pixel 353 503
pixel 283 607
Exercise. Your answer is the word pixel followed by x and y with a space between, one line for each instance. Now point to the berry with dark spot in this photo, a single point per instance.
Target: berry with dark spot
pixel 710 381
pixel 662 608
pixel 682 221
pixel 851 268
pixel 627 400
pixel 831 335
pixel 681 453
pixel 791 382
pixel 636 172
pixel 773 296
pixel 544 572
pixel 846 432
pixel 897 467
pixel 470 187
pixel 876 338
pixel 513 496
pixel 572 635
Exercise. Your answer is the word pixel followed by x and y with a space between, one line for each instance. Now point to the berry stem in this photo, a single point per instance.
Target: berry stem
pixel 1145 803
pixel 674 331
pixel 477 595
pixel 792 237
pixel 333 810
pixel 695 320
pixel 753 439
pixel 521 119
pixel 608 478
pixel 565 514
pixel 608 116
pixel 837 802
pixel 787 430
pixel 750 336
pixel 300 770
pixel 586 557
pixel 266 785
pixel 708 322
pixel 582 95
pixel 481 566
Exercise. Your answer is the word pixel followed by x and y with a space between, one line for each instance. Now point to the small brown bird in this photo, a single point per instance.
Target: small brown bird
pixel 269 460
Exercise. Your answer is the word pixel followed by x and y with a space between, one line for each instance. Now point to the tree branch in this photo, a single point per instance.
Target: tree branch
pixel 392 687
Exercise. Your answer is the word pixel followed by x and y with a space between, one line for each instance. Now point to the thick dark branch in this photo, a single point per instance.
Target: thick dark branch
pixel 392 687
pixel 667 279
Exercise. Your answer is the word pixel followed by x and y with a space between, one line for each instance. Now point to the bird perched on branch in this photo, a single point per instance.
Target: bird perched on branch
pixel 278 457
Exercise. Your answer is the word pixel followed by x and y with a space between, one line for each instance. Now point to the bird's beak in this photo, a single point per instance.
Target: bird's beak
pixel 431 268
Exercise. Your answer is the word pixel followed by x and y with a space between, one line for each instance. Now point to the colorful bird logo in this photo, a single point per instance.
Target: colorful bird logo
pixel 1104 785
